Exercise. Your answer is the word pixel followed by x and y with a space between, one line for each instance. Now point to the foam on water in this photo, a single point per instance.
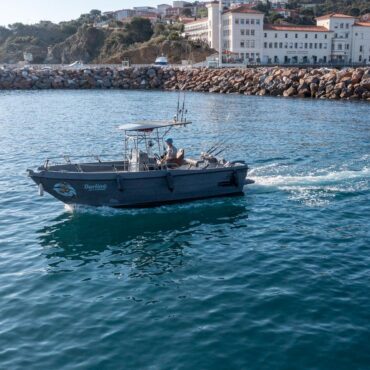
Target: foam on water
pixel 310 179
pixel 316 188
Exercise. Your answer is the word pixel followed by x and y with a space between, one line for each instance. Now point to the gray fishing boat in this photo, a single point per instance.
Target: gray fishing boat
pixel 141 178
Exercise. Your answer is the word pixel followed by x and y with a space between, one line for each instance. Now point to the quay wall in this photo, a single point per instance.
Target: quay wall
pixel 322 83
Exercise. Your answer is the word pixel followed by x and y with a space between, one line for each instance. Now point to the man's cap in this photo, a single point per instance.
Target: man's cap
pixel 169 141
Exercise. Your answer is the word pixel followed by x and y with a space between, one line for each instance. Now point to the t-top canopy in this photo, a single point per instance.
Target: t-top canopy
pixel 150 125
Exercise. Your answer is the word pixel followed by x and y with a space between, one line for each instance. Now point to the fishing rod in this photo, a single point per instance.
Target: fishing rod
pixel 215 146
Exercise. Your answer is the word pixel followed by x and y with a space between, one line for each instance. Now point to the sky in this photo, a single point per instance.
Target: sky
pixel 32 11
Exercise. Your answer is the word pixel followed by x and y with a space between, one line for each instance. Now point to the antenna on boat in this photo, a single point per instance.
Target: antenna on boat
pixel 178 108
pixel 183 110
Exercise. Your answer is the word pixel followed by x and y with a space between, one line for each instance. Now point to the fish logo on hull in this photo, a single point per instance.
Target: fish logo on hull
pixel 65 190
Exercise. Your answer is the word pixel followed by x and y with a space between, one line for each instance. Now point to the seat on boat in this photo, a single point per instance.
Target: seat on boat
pixel 192 162
pixel 178 161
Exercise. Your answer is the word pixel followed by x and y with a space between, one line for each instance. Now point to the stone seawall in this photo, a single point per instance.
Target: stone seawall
pixel 323 83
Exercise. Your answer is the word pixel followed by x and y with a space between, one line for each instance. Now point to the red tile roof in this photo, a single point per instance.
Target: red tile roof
pixel 201 20
pixel 242 9
pixel 362 24
pixel 334 15
pixel 274 27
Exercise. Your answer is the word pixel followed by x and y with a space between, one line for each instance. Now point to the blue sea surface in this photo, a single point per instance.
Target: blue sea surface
pixel 276 279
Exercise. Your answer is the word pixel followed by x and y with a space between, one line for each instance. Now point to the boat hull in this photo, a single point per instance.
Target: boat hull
pixel 141 189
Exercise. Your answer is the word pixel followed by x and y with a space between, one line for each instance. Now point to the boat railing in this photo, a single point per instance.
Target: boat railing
pixel 74 160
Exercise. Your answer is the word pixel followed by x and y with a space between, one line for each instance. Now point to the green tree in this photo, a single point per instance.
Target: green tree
pixel 355 12
pixel 160 29
pixel 186 12
pixel 140 29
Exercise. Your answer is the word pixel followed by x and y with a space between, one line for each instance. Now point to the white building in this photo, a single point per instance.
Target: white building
pixel 180 4
pixel 161 8
pixel 145 9
pixel 335 38
pixel 122 14
pixel 296 44
pixel 361 42
pixel 198 30
pixel 230 3
pixel 242 33
pixel 351 39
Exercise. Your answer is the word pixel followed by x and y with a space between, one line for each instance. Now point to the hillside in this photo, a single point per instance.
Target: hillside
pixel 81 40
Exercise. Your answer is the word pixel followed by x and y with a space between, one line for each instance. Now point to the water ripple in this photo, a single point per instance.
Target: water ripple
pixel 275 279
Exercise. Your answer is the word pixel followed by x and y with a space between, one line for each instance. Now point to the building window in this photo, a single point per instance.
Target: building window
pixel 347 25
pixel 286 35
pixel 306 36
pixel 265 34
pixel 315 45
pixel 361 49
pixel 247 32
pixel 296 35
pixel 315 35
pixel 341 25
pixel 252 21
pixel 305 45
pixel 296 45
pixel 276 35
pixel 326 36
pixel 275 45
pixel 242 44
pixel 247 21
pixel 286 45
pixel 242 32
pixel 257 21
pixel 252 44
pixel 301 45
pixel 242 21
pixel 320 45
pixel 270 45
pixel 265 45
pixel 291 45
pixel 310 45
pixel 280 45
pixel 252 33
pixel 236 20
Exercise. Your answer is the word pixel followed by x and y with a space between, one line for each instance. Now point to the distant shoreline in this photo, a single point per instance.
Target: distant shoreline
pixel 319 83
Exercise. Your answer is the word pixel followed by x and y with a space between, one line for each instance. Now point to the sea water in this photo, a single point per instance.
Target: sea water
pixel 276 279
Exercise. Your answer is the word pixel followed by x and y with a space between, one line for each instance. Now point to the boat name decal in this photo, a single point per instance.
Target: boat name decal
pixel 65 189
pixel 95 187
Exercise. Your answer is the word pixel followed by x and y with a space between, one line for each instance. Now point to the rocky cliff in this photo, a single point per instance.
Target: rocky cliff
pixel 353 84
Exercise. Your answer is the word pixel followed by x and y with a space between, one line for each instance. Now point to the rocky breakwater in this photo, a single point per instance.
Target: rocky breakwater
pixel 87 78
pixel 320 83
